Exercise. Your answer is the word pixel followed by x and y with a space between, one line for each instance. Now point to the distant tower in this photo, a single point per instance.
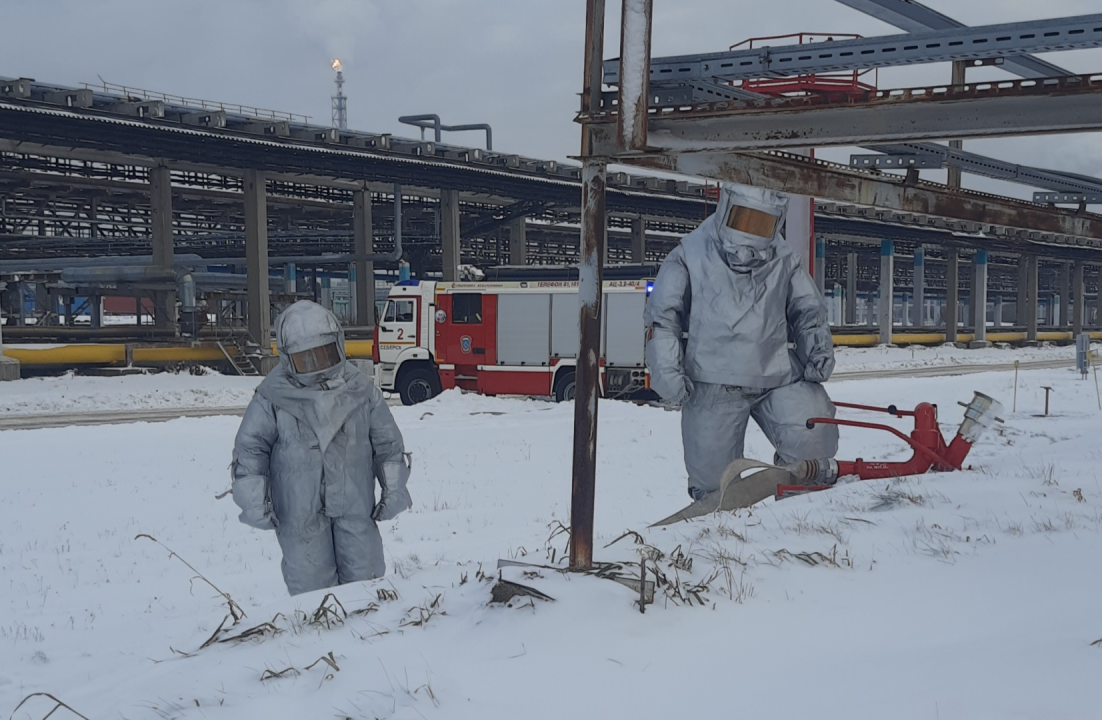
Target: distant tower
pixel 340 102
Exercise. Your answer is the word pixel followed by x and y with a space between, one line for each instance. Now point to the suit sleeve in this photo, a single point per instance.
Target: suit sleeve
pixel 252 452
pixel 391 468
pixel 666 317
pixel 808 327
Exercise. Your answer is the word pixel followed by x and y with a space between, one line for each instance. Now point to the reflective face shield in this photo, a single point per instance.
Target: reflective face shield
pixel 316 359
pixel 752 222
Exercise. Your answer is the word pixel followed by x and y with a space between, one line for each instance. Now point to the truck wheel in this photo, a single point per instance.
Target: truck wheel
pixel 564 387
pixel 418 385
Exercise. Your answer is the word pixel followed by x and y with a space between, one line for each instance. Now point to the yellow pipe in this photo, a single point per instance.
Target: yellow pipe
pixel 110 354
pixel 358 348
pixel 69 355
pixel 857 340
pixel 873 339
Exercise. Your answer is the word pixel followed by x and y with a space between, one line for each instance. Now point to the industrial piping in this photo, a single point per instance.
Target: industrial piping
pixel 433 121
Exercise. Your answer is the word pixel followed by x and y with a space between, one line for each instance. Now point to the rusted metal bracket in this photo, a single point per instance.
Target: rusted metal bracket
pixel 801 175
pixel 1009 108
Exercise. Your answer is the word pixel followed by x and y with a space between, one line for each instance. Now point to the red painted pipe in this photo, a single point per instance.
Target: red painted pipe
pixel 929 446
pixel 957 451
pixel 891 409
pixel 930 450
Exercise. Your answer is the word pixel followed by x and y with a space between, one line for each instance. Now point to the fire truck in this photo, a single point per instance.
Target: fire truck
pixel 505 337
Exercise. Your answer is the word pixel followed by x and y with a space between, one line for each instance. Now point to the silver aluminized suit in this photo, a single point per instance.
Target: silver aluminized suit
pixel 758 343
pixel 306 459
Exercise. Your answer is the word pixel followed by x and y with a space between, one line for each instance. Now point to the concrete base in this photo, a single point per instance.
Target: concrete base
pixel 9 368
pixel 267 363
pixel 1031 343
pixel 978 345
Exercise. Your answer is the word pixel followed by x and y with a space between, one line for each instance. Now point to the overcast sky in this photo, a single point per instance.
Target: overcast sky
pixel 513 63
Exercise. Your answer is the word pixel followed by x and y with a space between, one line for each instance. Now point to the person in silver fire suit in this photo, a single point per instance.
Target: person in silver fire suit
pixel 314 440
pixel 758 346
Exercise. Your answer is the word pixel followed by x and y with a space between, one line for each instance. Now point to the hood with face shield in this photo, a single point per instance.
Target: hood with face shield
pixel 310 341
pixel 314 382
pixel 747 221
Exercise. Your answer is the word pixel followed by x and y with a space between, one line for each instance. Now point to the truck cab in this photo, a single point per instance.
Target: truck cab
pixel 404 346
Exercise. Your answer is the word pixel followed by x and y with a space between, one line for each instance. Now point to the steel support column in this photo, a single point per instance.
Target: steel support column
pixel 1078 299
pixel 449 234
pixel 959 80
pixel 820 263
pixel 1021 306
pixel 919 286
pixel 588 385
pixel 979 300
pixel 9 367
pixel 290 279
pixel 1063 316
pixel 638 240
pixel 851 289
pixel 593 243
pixel 952 294
pixel 96 310
pixel 362 227
pixel 518 241
pixel 887 290
pixel 256 265
pixel 1029 290
pixel 160 201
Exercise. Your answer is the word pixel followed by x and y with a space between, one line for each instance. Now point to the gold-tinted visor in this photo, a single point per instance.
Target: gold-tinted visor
pixel 316 359
pixel 752 222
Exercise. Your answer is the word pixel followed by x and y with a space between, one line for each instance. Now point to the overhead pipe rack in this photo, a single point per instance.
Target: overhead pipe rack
pixel 964 43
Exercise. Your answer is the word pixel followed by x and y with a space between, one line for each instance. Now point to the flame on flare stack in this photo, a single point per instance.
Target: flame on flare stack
pixel 337 65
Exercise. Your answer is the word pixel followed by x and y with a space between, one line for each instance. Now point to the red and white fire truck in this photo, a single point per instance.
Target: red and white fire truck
pixel 505 338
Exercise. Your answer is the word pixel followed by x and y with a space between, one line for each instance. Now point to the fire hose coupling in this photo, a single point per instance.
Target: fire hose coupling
pixel 814 472
pixel 979 415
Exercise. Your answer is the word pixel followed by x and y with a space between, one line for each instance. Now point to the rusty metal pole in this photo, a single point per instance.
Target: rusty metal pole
pixel 634 101
pixel 593 70
pixel 587 377
pixel 632 126
pixel 960 71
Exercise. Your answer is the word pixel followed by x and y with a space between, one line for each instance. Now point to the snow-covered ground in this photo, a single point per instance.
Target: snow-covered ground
pixel 72 393
pixel 921 356
pixel 965 595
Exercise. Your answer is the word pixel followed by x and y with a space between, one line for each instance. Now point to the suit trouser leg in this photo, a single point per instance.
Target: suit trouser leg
pixel 359 549
pixel 782 414
pixel 713 431
pixel 309 562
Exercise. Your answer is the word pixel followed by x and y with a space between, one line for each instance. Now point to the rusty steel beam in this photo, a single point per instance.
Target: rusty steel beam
pixel 634 97
pixel 587 378
pixel 591 71
pixel 801 175
pixel 1002 109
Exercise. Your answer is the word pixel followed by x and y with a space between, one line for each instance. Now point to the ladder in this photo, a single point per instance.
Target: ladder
pixel 245 356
